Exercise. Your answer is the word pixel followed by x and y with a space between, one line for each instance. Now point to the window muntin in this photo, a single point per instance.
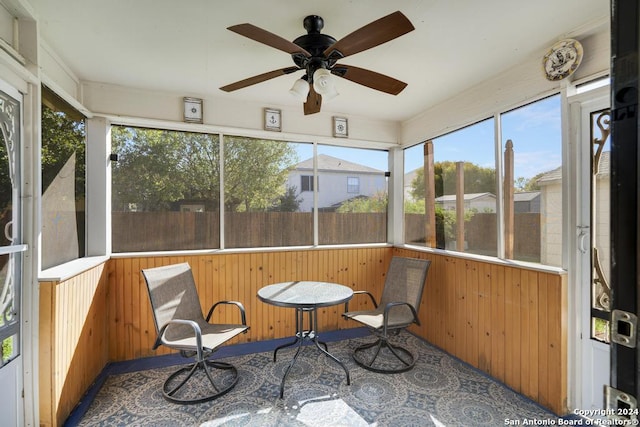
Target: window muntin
pixel 159 172
pixel 306 183
pixel 63 181
pixel 345 217
pixel 533 135
pixel 353 184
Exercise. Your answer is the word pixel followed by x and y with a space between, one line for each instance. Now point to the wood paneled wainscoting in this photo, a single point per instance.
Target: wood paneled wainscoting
pixel 237 277
pixel 73 341
pixel 508 321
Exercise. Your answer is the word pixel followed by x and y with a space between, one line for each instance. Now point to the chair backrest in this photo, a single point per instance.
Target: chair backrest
pixel 405 281
pixel 173 295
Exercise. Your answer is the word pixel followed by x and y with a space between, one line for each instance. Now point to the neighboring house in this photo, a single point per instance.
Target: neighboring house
pixel 194 207
pixel 338 180
pixel 523 202
pixel 551 215
pixel 481 202
pixel 526 202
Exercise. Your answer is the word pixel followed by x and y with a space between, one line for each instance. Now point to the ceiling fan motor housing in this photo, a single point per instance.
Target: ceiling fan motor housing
pixel 315 43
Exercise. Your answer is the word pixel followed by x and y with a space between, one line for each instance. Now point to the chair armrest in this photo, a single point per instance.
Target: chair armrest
pixel 391 305
pixel 236 303
pixel 373 300
pixel 194 325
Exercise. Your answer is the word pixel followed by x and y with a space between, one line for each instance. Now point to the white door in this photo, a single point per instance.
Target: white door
pixel 594 248
pixel 11 249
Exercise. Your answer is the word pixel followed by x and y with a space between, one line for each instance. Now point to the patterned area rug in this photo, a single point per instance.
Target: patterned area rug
pixel 439 391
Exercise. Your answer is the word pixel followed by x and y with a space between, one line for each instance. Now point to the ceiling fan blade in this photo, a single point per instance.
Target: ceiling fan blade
pixel 258 79
pixel 270 39
pixel 314 102
pixel 376 33
pixel 369 78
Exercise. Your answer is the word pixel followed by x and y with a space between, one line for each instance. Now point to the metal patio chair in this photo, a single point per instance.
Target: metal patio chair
pixel 398 308
pixel 180 325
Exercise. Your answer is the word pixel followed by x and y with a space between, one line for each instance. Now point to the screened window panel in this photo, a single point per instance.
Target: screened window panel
pixel 267 189
pixel 352 207
pixel 165 190
pixel 532 143
pixel 464 201
pixel 63 181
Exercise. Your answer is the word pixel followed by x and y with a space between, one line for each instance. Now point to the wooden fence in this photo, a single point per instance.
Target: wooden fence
pixel 167 231
pixel 481 234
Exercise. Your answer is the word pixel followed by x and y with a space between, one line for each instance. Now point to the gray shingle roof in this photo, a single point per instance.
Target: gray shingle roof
pixel 467 197
pixel 329 163
pixel 525 196
pixel 556 174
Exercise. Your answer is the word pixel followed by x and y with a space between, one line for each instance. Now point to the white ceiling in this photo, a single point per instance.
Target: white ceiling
pixel 184 46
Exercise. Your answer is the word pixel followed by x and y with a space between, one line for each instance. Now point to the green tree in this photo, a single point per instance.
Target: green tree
pixel 158 168
pixel 448 220
pixel 445 219
pixel 288 202
pixel 255 172
pixel 477 179
pixel 528 184
pixel 62 136
pixel 375 203
pixel 414 206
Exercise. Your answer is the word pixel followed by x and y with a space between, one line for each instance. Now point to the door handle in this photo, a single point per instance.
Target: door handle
pixel 582 237
pixel 8 231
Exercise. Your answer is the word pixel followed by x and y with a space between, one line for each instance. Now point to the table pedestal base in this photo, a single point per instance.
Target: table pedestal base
pixel 303 335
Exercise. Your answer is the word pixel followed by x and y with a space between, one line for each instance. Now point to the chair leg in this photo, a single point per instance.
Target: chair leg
pixel 171 392
pixel 404 356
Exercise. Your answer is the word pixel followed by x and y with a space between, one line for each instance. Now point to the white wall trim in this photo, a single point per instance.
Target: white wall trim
pixel 251 133
pixel 520 85
pixel 98 187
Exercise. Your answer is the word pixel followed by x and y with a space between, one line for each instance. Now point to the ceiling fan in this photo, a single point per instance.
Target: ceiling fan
pixel 318 55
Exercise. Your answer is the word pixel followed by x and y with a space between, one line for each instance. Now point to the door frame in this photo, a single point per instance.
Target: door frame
pixel 594 354
pixel 26 88
pixel 11 374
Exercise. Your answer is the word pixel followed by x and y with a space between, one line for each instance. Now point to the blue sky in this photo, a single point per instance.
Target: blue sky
pixel 534 129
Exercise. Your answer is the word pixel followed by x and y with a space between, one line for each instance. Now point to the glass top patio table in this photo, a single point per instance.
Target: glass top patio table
pixel 305 297
pixel 305 294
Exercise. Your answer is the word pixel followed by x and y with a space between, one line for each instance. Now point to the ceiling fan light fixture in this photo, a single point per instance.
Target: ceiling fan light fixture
pixel 330 94
pixel 300 89
pixel 323 83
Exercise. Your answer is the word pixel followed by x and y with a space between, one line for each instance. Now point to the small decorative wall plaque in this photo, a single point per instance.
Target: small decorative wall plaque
pixel 340 127
pixel 272 119
pixel 193 110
